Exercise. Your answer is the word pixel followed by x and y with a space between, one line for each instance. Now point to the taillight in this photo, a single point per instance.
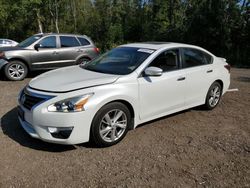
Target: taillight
pixel 97 50
pixel 228 67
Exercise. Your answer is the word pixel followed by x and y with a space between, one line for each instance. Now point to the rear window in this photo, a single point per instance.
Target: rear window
pixel 83 41
pixel 68 41
pixel 194 57
pixel 208 58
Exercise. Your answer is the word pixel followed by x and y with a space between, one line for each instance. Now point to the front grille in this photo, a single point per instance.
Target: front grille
pixel 29 101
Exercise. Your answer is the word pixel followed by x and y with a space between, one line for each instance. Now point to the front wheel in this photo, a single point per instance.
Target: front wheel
pixel 15 70
pixel 110 124
pixel 213 96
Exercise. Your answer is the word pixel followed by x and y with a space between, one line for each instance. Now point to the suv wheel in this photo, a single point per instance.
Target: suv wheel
pixel 15 70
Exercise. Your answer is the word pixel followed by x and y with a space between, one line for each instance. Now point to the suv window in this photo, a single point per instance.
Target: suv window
pixel 48 42
pixel 194 57
pixel 68 41
pixel 27 42
pixel 167 61
pixel 83 41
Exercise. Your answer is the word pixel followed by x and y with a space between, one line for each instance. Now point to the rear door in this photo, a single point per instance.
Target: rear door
pixel 69 50
pixel 199 75
pixel 161 95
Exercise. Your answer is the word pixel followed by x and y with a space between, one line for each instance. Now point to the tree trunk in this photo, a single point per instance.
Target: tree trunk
pixel 53 9
pixel 73 8
pixel 40 26
pixel 56 16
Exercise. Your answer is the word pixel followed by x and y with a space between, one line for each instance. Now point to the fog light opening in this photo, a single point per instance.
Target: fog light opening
pixel 60 132
pixel 53 129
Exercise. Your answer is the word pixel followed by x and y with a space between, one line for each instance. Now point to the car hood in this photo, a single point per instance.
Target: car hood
pixel 10 48
pixel 70 79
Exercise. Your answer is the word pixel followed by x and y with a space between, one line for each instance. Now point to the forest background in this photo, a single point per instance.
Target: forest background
pixel 220 26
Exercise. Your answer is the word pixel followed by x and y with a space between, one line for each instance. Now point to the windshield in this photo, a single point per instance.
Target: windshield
pixel 27 42
pixel 121 60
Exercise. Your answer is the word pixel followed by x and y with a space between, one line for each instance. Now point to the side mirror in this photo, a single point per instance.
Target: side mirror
pixel 37 46
pixel 153 71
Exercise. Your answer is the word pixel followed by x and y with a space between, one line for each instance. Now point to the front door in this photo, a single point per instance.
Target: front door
pixel 47 55
pixel 162 95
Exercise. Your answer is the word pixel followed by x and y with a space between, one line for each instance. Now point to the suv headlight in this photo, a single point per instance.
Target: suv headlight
pixel 74 104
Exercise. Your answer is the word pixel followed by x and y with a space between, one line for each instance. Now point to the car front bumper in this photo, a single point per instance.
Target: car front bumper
pixel 38 123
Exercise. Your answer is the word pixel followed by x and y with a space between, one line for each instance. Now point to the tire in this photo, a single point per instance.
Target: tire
pixel 15 70
pixel 82 61
pixel 105 130
pixel 213 96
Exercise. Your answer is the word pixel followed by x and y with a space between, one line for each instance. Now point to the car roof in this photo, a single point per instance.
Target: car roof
pixel 158 45
pixel 65 34
pixel 6 39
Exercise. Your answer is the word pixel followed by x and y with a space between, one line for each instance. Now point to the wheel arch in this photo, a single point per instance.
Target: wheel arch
pixel 83 56
pixel 22 60
pixel 130 108
pixel 221 84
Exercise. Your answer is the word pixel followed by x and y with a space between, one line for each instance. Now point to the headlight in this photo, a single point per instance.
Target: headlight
pixel 75 104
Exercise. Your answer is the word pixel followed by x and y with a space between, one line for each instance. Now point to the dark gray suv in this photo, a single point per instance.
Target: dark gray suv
pixel 46 51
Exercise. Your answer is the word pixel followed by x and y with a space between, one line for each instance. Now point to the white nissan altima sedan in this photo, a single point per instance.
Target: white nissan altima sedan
pixel 127 86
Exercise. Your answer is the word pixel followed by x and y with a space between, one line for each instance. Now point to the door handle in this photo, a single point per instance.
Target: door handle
pixel 181 78
pixel 55 53
pixel 209 71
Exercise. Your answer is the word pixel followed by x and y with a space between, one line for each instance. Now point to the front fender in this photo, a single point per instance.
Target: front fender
pixel 2 63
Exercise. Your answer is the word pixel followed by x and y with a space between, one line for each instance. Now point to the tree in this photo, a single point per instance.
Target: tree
pixel 221 26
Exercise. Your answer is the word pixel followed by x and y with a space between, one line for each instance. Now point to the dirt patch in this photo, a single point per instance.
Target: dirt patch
pixel 194 148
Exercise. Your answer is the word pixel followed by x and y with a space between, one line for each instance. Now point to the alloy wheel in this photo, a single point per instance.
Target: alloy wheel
pixel 16 71
pixel 113 125
pixel 214 96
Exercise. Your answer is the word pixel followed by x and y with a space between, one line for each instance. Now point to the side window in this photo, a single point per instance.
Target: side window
pixel 67 41
pixel 83 41
pixel 167 61
pixel 8 42
pixel 194 57
pixel 208 58
pixel 48 42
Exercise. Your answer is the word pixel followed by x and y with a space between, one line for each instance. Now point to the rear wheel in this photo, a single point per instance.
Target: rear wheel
pixel 213 96
pixel 110 124
pixel 15 70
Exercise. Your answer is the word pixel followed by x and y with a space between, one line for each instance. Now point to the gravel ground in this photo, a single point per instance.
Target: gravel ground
pixel 193 148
